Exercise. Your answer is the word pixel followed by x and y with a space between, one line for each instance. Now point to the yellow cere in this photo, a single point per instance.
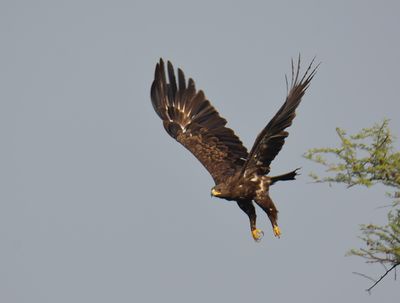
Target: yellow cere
pixel 215 192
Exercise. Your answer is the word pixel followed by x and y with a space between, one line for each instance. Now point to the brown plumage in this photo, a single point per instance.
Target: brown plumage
pixel 239 176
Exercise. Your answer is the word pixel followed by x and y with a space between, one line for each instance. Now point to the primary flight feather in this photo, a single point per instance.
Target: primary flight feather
pixel 239 175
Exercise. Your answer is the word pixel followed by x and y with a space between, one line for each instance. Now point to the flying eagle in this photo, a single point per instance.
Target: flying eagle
pixel 239 175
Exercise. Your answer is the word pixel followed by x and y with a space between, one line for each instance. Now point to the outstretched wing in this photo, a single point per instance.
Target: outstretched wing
pixel 271 139
pixel 189 118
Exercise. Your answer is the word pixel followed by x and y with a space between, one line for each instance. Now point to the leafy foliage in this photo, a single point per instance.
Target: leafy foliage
pixel 367 158
pixel 382 242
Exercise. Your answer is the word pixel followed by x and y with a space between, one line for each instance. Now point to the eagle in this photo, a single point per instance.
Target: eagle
pixel 239 175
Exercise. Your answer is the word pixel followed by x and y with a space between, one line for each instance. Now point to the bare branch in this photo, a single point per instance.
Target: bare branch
pixel 384 275
pixel 364 276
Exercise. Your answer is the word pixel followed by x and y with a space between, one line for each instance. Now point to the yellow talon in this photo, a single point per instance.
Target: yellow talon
pixel 257 234
pixel 277 231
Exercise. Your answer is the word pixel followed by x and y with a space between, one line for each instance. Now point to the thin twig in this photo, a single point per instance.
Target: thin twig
pixel 364 276
pixel 384 275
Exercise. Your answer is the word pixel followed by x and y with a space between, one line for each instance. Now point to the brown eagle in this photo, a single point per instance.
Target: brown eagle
pixel 239 176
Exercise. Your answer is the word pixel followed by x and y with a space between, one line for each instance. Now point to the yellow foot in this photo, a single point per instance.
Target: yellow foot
pixel 277 231
pixel 257 234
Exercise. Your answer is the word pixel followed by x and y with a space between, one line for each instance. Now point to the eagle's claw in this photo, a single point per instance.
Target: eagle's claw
pixel 257 234
pixel 277 231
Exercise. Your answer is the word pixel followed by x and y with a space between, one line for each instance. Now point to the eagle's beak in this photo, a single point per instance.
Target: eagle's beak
pixel 215 192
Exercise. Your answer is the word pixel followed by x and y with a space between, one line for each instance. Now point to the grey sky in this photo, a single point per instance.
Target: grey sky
pixel 90 209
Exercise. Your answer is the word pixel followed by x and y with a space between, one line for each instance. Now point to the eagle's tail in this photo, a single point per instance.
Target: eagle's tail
pixel 288 176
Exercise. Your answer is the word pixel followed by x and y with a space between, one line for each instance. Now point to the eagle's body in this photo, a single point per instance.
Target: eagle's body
pixel 239 175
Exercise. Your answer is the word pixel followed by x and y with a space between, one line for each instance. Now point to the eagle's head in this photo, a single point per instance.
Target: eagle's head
pixel 220 191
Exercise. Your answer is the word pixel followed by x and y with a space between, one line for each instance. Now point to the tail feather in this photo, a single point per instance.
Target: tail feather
pixel 285 177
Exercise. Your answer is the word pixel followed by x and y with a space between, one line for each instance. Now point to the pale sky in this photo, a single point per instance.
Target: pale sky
pixel 99 204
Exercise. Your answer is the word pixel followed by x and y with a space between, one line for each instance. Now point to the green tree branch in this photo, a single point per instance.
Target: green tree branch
pixel 367 158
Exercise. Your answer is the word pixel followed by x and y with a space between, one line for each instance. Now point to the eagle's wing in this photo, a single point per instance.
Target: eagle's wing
pixel 189 118
pixel 271 139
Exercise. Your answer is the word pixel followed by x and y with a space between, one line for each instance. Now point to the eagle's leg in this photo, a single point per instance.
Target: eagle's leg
pixel 268 206
pixel 248 207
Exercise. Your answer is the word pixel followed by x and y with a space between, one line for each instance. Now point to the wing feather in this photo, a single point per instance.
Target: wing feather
pixel 271 139
pixel 190 118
